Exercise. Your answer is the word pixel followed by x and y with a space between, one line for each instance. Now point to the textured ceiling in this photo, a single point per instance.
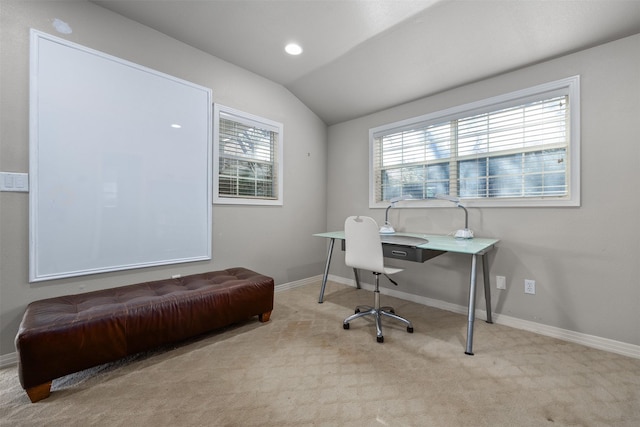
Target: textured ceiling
pixel 362 56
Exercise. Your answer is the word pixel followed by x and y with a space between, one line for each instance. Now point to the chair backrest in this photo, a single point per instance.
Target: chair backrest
pixel 363 247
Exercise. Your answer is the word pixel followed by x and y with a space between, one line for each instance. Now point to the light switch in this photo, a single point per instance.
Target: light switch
pixel 18 182
pixel 8 180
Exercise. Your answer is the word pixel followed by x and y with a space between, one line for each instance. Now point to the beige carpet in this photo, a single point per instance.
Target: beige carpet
pixel 303 369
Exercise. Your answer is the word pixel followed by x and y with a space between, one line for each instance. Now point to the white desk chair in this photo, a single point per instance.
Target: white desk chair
pixel 363 249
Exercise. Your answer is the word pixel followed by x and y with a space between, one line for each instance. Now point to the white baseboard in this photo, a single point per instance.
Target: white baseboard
pixel 618 347
pixel 297 283
pixel 7 360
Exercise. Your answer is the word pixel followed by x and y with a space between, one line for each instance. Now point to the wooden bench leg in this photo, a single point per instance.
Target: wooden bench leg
pixel 264 317
pixel 39 392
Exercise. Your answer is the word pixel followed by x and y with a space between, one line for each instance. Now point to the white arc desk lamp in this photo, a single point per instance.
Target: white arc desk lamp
pixel 462 233
pixel 387 228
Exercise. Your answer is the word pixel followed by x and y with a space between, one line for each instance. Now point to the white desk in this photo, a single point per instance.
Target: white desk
pixel 474 247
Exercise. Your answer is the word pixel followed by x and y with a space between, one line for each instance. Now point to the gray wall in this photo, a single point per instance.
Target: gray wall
pixel 586 260
pixel 275 241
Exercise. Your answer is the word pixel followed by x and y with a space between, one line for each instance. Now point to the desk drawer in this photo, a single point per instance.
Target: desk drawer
pixel 409 253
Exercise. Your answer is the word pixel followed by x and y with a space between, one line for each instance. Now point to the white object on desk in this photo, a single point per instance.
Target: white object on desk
pixel 463 233
pixel 387 228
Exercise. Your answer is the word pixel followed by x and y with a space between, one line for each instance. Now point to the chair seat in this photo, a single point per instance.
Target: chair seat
pixel 391 270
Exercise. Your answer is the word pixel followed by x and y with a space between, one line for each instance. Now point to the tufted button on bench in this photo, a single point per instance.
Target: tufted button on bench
pixel 59 336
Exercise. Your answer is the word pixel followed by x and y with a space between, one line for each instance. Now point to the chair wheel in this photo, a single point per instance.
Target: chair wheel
pixel 357 310
pixel 345 326
pixel 380 339
pixel 409 329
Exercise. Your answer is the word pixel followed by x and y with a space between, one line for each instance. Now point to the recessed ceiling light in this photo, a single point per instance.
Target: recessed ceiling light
pixel 293 49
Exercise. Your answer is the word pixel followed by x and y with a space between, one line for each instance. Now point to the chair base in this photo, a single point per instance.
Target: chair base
pixel 377 312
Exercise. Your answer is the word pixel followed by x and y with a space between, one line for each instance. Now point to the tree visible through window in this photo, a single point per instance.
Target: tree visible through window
pixel 515 148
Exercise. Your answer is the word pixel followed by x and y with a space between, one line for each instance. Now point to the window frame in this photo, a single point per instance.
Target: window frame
pixel 251 119
pixel 569 86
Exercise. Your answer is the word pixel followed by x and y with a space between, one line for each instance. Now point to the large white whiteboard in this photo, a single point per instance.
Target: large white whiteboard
pixel 114 182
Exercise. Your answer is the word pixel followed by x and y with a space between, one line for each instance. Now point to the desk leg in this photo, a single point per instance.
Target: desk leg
pixel 472 306
pixel 326 270
pixel 487 286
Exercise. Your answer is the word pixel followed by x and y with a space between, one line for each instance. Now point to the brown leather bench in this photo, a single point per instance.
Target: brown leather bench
pixel 59 336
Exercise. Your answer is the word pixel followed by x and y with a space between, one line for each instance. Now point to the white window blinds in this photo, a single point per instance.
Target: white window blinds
pixel 516 147
pixel 248 159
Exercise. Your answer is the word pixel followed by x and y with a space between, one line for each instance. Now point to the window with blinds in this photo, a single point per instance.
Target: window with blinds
pixel 517 149
pixel 247 158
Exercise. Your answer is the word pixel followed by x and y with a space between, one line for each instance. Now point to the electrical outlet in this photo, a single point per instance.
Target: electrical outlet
pixel 529 286
pixel 501 282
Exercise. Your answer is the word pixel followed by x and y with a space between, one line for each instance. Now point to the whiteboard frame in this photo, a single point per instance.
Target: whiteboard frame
pixel 203 248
